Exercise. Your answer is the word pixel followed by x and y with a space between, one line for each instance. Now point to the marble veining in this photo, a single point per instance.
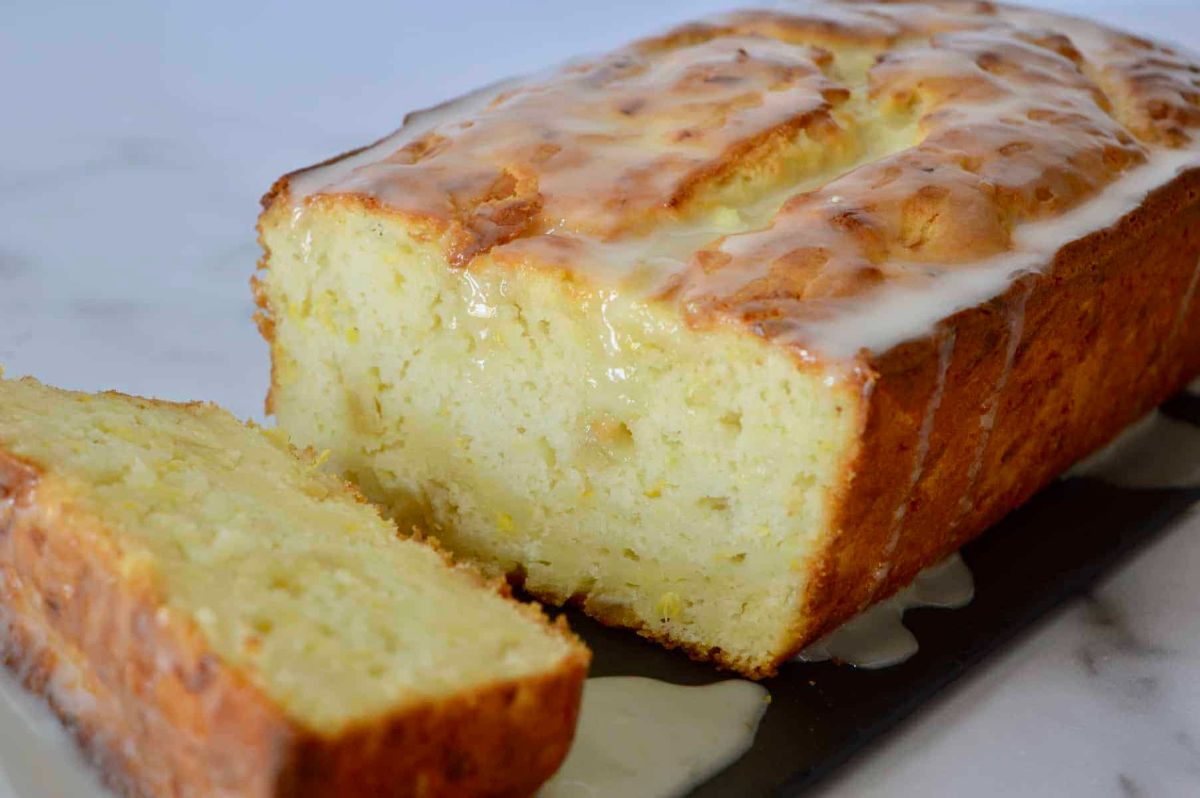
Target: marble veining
pixel 13 264
pixel 1113 639
pixel 116 155
pixel 136 180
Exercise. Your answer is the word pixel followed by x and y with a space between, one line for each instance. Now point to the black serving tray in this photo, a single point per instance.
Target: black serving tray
pixel 821 714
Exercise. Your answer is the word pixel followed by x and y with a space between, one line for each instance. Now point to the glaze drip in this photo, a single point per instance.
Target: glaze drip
pixel 1155 452
pixel 946 341
pixel 1185 302
pixel 987 420
pixel 877 638
pixel 34 747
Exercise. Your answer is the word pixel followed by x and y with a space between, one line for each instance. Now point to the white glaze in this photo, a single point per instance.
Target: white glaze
pixel 987 420
pixel 891 315
pixel 1185 303
pixel 877 638
pixel 898 313
pixel 338 175
pixel 644 738
pixel 876 322
pixel 1156 452
pixel 945 355
pixel 37 757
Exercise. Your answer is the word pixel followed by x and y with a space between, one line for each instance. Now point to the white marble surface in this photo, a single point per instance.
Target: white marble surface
pixel 135 141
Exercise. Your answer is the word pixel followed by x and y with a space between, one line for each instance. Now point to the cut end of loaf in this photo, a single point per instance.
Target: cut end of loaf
pixel 681 483
pixel 615 328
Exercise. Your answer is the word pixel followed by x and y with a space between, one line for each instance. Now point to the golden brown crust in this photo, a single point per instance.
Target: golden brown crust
pixel 966 121
pixel 1010 130
pixel 155 709
pixel 503 740
pixel 1031 382
pixel 162 716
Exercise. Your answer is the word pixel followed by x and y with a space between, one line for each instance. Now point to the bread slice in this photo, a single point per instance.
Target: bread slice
pixel 212 616
pixel 727 334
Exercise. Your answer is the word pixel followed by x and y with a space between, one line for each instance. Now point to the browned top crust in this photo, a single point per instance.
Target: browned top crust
pixel 778 163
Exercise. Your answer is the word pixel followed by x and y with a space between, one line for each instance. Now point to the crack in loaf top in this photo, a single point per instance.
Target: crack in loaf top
pixel 778 168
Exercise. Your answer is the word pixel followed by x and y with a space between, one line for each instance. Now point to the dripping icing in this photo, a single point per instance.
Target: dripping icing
pixel 877 637
pixel 898 313
pixel 987 420
pixel 38 756
pixel 339 175
pixel 1185 303
pixel 925 435
pixel 1155 452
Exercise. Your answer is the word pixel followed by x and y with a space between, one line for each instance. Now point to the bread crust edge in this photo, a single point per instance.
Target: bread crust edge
pixel 1065 359
pixel 895 387
pixel 161 715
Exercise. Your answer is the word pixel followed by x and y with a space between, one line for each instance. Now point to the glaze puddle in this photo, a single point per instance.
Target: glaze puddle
pixel 637 738
pixel 1156 452
pixel 878 638
pixel 37 757
pixel 644 738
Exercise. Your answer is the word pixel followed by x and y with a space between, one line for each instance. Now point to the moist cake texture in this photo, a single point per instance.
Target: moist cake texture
pixel 214 617
pixel 725 335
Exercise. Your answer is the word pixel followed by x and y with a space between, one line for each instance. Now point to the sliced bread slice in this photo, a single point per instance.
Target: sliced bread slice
pixel 213 616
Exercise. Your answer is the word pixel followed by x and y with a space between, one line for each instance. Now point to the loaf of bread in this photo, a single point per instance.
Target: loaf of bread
pixel 727 334
pixel 213 618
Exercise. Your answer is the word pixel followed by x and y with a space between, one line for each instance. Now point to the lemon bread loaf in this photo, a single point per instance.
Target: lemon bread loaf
pixel 213 617
pixel 727 334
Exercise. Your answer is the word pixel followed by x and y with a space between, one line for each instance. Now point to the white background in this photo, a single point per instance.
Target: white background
pixel 135 140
